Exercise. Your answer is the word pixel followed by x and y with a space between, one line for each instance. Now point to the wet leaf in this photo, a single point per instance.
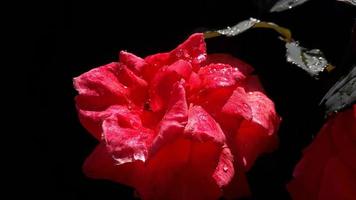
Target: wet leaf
pixel 234 30
pixel 342 94
pixel 246 25
pixel 283 5
pixel 351 2
pixel 311 61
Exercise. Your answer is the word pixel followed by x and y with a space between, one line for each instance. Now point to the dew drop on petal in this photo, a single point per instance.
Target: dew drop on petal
pixel 225 168
pixel 244 161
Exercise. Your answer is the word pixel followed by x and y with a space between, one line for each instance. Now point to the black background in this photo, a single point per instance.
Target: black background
pixel 69 38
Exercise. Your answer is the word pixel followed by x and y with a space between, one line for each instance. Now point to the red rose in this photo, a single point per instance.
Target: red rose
pixel 328 167
pixel 176 125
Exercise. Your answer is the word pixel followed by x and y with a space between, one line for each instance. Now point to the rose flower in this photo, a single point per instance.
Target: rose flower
pixel 327 170
pixel 176 125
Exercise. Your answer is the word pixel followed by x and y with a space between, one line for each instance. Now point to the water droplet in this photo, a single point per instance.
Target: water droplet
pixel 139 156
pixel 244 161
pixel 202 117
pixel 122 160
pixel 200 58
pixel 225 168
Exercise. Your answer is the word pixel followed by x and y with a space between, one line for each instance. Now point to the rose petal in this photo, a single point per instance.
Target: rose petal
pixel 238 187
pixel 327 168
pixel 353 134
pixel 194 83
pixel 101 165
pixel 253 84
pixel 214 86
pixel 243 67
pixel 212 100
pixel 136 86
pixel 125 137
pixel 252 140
pixel 263 112
pixel 338 181
pixel 100 88
pixel 342 128
pixel 219 75
pixel 174 120
pixel 202 127
pixel 250 114
pixel 224 172
pixel 255 136
pixel 188 164
pixel 181 170
pixel 163 81
pixel 309 170
pixel 154 63
pixel 238 105
pixel 92 120
pixel 193 50
pixel 133 62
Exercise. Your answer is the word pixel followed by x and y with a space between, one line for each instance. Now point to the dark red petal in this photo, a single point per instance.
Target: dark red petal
pixel 238 187
pixel 191 163
pixel 100 88
pixel 193 83
pixel 309 170
pixel 253 84
pixel 101 165
pixel 136 86
pixel 327 168
pixel 212 100
pixel 224 172
pixel 181 170
pixel 161 85
pixel 252 140
pixel 342 128
pixel 173 122
pixel 154 63
pixel 263 111
pixel 353 134
pixel 251 116
pixel 125 137
pixel 192 50
pixel 219 75
pixel 238 105
pixel 255 136
pixel 338 181
pixel 202 127
pixel 92 120
pixel 243 67
pixel 132 61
